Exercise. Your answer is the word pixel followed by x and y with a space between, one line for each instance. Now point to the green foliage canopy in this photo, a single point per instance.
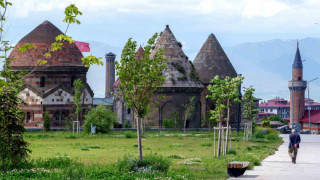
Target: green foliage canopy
pixel 140 78
pixel 101 117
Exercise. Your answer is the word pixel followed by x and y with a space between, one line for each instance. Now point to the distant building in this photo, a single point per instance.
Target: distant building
pixel 298 113
pixel 184 79
pixel 281 107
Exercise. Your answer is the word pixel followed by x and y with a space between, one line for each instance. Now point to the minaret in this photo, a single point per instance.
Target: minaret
pixel 297 87
pixel 110 73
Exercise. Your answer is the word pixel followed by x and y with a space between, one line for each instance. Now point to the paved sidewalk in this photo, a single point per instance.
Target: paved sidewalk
pixel 279 166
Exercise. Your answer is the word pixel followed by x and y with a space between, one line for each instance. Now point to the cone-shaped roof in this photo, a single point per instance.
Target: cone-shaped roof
pixel 297 63
pixel 212 60
pixel 42 37
pixel 140 52
pixel 179 71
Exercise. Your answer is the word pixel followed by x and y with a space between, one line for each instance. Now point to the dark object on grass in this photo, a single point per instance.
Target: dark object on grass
pixel 236 169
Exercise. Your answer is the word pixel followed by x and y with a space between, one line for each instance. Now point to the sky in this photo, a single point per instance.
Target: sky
pixel 114 21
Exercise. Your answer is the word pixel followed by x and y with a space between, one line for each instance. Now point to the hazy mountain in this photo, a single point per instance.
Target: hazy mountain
pixel 267 65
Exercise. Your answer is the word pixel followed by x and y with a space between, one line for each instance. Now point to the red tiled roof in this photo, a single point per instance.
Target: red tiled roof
pixel 42 37
pixel 264 113
pixel 314 116
pixel 276 103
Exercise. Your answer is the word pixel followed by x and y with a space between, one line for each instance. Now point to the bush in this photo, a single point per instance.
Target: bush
pixel 54 162
pixel 126 124
pixel 130 134
pixel 152 162
pixel 231 151
pixel 168 123
pixel 267 133
pixel 101 117
pixel 206 144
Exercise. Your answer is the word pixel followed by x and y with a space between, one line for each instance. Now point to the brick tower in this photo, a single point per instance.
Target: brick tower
pixel 110 73
pixel 297 87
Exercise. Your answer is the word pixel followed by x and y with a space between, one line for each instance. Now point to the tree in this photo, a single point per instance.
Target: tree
pixel 223 92
pixel 140 79
pixel 101 117
pixel 46 121
pixel 189 109
pixel 249 110
pixel 77 84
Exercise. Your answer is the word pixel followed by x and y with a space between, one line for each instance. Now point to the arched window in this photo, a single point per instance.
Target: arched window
pixel 42 81
pixel 57 117
pixel 72 80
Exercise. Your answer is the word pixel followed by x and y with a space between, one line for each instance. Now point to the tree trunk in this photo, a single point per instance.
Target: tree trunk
pixel 220 136
pixel 139 137
pixel 227 130
pixel 185 123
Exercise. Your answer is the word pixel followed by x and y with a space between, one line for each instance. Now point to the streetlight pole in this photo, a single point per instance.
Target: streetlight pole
pixel 309 104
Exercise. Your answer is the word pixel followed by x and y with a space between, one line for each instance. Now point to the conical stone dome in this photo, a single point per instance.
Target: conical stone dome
pixel 212 60
pixel 42 37
pixel 179 71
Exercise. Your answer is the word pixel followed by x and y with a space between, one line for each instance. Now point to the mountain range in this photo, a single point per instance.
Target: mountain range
pixel 267 65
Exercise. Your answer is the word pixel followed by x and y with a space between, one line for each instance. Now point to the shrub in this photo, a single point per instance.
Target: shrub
pixel 231 151
pixel 168 123
pixel 206 144
pixel 126 124
pixel 175 157
pixel 101 117
pixel 267 133
pixel 54 162
pixel 130 134
pixel 153 162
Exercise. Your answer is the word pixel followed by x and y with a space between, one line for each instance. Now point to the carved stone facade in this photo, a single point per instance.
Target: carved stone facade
pixel 50 86
pixel 184 79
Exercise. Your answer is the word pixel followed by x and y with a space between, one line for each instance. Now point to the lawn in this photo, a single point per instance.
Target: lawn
pixel 191 154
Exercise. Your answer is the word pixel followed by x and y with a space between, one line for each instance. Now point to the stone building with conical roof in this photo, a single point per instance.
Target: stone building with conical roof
pixel 49 86
pixel 184 79
pixel 212 61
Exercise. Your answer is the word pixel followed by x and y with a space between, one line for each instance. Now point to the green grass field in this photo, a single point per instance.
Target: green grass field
pixel 107 149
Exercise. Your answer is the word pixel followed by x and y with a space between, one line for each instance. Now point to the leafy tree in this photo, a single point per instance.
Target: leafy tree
pixel 101 117
pixel 140 79
pixel 223 92
pixel 189 109
pixel 46 121
pixel 249 110
pixel 77 84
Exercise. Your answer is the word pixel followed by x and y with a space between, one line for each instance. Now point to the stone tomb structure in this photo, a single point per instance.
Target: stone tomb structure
pixel 184 79
pixel 50 86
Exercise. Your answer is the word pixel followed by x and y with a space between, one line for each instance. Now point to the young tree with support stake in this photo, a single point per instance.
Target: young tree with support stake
pixel 140 79
pixel 224 92
pixel 249 110
pixel 189 109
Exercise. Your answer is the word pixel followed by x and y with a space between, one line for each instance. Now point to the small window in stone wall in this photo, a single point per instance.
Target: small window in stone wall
pixel 28 117
pixel 52 100
pixel 28 94
pixel 68 100
pixel 128 110
pixel 72 80
pixel 42 81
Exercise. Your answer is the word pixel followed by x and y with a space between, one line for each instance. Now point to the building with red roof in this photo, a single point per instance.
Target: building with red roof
pixel 49 86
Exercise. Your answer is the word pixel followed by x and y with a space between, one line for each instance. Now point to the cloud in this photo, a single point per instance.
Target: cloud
pixel 263 8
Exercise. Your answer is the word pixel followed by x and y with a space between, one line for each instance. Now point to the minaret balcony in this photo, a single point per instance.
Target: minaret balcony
pixel 297 84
